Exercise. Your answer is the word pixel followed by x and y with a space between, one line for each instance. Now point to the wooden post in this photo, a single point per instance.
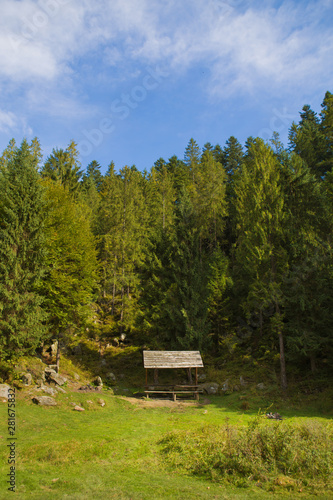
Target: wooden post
pixel 196 376
pixel 146 376
pixel 155 376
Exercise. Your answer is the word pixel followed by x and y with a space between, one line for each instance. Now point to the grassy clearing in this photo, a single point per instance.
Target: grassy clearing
pixel 133 449
pixel 117 451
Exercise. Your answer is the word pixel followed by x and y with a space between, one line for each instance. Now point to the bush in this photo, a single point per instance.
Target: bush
pixel 272 453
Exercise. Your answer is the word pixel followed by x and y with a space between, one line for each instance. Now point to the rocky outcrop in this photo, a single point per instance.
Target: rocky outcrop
pixel 44 401
pixel 98 382
pixel 52 376
pixel 210 388
pixel 48 390
pixel 4 391
pixel 26 378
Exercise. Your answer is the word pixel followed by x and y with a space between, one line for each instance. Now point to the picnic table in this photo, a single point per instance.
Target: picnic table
pixel 172 359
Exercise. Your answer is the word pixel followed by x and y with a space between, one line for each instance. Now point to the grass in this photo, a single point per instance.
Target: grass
pixel 119 451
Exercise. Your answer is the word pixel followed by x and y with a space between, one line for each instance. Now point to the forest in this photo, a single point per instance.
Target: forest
pixel 227 251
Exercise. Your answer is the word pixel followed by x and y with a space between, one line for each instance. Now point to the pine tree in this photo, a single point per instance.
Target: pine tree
pixel 63 166
pixel 22 254
pixel 192 159
pixel 209 200
pixel 260 252
pixel 186 312
pixel 72 271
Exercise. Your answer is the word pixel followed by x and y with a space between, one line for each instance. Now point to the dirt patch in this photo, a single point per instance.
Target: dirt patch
pixel 163 403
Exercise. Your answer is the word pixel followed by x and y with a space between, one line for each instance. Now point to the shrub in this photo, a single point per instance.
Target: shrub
pixel 284 454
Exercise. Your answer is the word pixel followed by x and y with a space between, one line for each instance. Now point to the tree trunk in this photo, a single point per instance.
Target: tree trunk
pixel 313 363
pixel 58 357
pixel 284 383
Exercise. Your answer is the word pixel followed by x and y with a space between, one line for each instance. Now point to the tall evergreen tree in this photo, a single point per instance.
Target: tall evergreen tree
pixel 63 166
pixel 192 159
pixel 22 254
pixel 72 271
pixel 260 252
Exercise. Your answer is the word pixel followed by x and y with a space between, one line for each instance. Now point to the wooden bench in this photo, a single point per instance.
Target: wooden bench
pixel 174 390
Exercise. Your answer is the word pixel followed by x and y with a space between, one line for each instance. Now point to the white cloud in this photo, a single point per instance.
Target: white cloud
pixel 45 44
pixel 8 121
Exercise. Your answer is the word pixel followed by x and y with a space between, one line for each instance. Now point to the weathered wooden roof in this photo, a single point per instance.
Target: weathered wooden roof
pixel 172 359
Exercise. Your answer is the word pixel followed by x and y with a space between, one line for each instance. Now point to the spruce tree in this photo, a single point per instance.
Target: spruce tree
pixel 72 267
pixel 63 166
pixel 22 254
pixel 260 254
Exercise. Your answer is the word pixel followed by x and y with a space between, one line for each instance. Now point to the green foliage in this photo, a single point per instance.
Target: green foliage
pixel 286 454
pixel 71 261
pixel 22 254
pixel 63 166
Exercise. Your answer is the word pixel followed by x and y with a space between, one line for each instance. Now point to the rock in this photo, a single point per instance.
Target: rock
pixel 53 348
pixel 78 408
pixel 49 371
pixel 48 390
pixel 225 386
pixel 52 376
pixel 101 402
pixel 274 416
pixel 44 401
pixel 27 378
pixel 53 367
pixel 210 388
pixel 90 388
pixel 236 388
pixel 202 377
pixel 90 402
pixel 4 391
pixel 103 362
pixel 76 376
pixel 115 342
pixel 261 386
pixel 98 381
pixel 242 381
pixel 122 337
pixel 111 377
pixel 60 389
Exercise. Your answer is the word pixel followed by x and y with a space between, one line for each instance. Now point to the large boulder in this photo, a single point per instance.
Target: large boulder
pixel 52 376
pixel 4 391
pixel 44 401
pixel 98 382
pixel 210 388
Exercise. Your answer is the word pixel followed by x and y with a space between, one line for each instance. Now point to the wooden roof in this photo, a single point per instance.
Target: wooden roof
pixel 172 359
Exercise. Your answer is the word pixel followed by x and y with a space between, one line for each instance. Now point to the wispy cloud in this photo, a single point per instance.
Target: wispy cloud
pixel 56 53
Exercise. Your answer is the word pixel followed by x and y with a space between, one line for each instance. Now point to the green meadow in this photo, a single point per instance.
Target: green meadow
pixel 137 449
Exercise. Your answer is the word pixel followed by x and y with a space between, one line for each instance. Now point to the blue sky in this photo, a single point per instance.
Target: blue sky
pixel 134 80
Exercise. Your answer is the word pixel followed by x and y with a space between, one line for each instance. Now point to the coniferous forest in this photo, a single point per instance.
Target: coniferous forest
pixel 227 251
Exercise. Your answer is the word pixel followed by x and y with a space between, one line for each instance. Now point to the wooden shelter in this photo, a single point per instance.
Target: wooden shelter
pixel 172 359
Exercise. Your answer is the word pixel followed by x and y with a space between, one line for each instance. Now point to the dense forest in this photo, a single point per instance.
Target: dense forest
pixel 228 250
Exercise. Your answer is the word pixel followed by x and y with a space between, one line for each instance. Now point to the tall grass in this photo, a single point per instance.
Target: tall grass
pixel 272 454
